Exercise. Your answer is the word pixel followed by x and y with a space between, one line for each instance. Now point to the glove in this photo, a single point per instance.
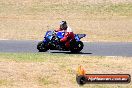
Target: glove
pixel 54 33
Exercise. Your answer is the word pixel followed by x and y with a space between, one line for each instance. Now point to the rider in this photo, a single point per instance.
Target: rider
pixel 68 33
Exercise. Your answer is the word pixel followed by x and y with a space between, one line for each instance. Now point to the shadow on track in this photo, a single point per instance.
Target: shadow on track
pixel 71 53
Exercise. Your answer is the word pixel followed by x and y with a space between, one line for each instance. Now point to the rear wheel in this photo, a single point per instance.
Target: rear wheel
pixel 42 47
pixel 76 46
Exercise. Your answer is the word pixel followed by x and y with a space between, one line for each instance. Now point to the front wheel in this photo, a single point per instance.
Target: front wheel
pixel 76 46
pixel 42 47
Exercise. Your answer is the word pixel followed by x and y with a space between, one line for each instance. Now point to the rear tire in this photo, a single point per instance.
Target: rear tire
pixel 76 46
pixel 42 47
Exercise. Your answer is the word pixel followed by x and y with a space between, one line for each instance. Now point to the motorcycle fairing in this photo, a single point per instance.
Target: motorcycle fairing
pixel 79 36
pixel 60 35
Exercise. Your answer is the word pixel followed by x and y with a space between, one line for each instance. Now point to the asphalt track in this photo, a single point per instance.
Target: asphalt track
pixel 90 48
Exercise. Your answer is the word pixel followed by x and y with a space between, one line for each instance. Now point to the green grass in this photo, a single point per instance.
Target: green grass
pixel 28 57
pixel 20 57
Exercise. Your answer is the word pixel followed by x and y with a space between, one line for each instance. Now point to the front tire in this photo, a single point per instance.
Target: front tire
pixel 76 46
pixel 42 47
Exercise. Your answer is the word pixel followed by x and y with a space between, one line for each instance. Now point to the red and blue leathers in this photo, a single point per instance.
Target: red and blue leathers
pixel 69 35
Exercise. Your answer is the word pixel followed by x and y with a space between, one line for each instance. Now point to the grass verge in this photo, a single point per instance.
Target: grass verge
pixel 58 70
pixel 102 21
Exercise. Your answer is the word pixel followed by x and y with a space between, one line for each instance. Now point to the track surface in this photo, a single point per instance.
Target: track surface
pixel 92 49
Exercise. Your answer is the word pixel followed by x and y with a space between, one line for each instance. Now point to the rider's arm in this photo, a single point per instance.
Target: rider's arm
pixel 57 30
pixel 69 29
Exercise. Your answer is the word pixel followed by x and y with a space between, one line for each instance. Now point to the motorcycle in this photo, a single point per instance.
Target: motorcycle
pixel 52 42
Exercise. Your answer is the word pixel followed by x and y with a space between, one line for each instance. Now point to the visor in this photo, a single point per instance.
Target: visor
pixel 62 22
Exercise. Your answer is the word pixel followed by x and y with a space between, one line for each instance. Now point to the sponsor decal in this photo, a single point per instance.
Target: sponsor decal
pixel 83 78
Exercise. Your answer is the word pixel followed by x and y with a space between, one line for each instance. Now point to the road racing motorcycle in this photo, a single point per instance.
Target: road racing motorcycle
pixel 51 41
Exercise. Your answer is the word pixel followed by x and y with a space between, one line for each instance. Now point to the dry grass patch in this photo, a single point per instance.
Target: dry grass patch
pixel 101 20
pixel 48 70
pixel 4 82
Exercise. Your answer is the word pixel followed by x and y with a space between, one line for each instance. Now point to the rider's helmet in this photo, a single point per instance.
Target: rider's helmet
pixel 63 25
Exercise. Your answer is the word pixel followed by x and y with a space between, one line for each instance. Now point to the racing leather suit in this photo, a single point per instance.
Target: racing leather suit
pixel 69 35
